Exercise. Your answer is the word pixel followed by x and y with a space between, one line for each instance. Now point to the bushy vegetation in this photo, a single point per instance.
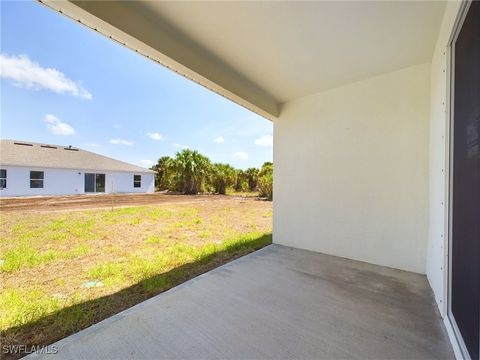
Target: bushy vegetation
pixel 265 181
pixel 222 176
pixel 190 172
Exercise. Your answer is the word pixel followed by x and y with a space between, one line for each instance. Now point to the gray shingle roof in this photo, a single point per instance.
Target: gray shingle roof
pixel 13 153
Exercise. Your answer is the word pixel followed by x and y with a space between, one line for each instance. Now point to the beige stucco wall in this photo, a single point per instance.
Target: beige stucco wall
pixel 351 170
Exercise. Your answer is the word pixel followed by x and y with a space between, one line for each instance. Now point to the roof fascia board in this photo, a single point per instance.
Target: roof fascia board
pixel 144 171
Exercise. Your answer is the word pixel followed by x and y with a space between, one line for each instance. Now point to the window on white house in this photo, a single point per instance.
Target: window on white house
pixel 3 179
pixel 137 181
pixel 36 179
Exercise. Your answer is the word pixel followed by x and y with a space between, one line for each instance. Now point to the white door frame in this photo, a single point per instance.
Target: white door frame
pixel 449 173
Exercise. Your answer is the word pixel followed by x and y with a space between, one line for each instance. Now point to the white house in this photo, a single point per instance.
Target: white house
pixel 376 113
pixel 31 169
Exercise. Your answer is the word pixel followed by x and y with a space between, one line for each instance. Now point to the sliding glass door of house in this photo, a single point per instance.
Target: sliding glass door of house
pixel 99 182
pixel 464 309
pixel 94 182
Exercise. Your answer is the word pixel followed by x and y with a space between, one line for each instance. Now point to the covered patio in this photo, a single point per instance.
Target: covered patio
pixel 276 303
pixel 376 160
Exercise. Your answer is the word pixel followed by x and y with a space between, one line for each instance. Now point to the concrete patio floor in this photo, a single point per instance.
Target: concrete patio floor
pixel 276 303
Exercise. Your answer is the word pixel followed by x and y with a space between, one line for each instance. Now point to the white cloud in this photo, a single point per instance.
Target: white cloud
pixel 240 155
pixel 116 126
pixel 120 142
pixel 180 146
pixel 56 126
pixel 26 73
pixel 155 136
pixel 147 162
pixel 219 140
pixel 265 140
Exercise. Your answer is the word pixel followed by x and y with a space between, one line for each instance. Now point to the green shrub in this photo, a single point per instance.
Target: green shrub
pixel 265 186
pixel 265 181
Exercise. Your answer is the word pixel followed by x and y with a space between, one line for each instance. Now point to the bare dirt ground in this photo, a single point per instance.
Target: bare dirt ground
pixel 83 202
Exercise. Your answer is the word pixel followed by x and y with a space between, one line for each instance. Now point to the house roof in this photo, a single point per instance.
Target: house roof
pixel 26 153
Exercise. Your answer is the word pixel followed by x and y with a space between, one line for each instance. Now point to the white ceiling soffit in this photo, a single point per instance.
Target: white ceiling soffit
pixel 261 54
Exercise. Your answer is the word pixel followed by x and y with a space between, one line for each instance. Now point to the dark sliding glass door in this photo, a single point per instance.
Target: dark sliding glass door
pixel 99 182
pixel 89 182
pixel 465 195
pixel 94 182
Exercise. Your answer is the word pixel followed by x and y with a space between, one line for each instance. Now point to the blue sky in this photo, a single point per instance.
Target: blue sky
pixel 65 84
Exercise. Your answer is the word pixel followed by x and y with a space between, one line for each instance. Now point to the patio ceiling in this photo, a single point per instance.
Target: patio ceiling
pixel 262 54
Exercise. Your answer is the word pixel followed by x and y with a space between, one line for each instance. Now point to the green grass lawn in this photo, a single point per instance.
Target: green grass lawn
pixel 64 271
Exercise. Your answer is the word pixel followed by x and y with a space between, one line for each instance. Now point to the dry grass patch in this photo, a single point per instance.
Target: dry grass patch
pixel 63 271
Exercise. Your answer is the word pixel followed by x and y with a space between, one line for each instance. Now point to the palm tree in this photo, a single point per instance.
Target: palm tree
pixel 241 180
pixel 252 178
pixel 164 173
pixel 223 176
pixel 192 169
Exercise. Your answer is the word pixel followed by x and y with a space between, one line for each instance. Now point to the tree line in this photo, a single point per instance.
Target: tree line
pixel 191 172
